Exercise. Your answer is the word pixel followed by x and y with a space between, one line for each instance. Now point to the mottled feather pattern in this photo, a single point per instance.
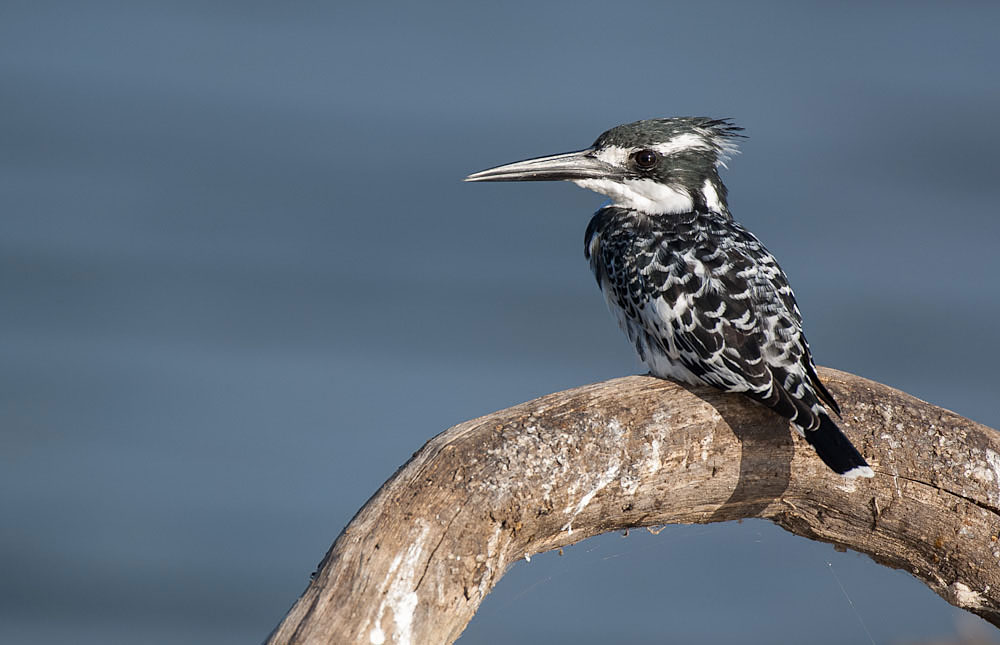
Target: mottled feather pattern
pixel 704 302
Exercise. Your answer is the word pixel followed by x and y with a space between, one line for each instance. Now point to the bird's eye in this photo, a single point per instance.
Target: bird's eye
pixel 646 159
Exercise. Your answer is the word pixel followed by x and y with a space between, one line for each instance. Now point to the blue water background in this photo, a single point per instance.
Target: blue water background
pixel 242 282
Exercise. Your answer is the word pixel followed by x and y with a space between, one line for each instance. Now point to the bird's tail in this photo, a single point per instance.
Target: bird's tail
pixel 836 450
pixel 811 419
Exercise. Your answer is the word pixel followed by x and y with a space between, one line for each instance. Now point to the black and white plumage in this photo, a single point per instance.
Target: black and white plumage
pixel 699 297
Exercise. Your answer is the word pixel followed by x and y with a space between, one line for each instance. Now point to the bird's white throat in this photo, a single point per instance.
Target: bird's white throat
pixel 643 195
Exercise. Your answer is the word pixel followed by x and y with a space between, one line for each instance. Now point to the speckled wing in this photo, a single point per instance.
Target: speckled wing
pixel 703 301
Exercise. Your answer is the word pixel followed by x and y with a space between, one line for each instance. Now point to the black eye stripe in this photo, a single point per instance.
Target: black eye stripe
pixel 645 159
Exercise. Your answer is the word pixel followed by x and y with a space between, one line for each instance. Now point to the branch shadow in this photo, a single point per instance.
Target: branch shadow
pixel 766 457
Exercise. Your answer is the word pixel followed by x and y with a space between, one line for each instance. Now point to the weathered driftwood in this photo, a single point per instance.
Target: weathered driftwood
pixel 415 563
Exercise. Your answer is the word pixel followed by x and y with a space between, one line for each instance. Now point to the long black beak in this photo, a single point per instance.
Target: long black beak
pixel 569 166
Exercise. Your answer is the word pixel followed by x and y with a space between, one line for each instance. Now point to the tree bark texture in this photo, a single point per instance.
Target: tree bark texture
pixel 416 561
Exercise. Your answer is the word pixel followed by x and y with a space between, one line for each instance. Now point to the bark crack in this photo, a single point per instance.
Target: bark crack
pixel 440 541
pixel 975 502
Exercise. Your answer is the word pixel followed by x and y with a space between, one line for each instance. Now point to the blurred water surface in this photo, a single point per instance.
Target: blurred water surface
pixel 242 282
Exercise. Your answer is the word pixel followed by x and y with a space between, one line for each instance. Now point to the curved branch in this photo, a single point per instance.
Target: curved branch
pixel 416 561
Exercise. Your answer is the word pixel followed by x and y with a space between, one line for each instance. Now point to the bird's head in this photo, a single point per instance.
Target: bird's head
pixel 656 166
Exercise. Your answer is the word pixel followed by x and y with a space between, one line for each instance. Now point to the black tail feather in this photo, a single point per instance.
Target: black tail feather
pixel 836 450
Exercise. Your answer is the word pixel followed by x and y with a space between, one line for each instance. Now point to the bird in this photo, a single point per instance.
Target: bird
pixel 699 297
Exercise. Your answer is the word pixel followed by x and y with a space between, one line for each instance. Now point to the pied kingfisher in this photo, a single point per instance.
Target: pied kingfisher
pixel 698 295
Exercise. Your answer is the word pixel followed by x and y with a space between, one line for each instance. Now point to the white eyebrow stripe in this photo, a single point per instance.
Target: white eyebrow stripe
pixel 686 141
